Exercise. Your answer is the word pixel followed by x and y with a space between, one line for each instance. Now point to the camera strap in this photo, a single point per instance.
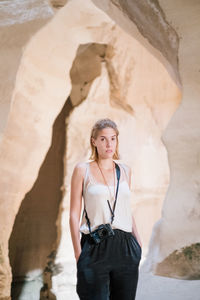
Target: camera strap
pixel 111 210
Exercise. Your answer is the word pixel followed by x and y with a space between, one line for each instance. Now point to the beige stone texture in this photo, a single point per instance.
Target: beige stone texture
pixel 19 20
pixel 97 59
pixel 179 225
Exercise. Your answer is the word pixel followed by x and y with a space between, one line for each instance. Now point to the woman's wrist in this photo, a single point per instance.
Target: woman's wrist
pixel 77 254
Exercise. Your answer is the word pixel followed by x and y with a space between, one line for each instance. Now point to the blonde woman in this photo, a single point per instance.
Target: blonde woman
pixel 109 251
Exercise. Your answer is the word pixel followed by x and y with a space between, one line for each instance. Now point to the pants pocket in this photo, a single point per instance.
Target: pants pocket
pixel 136 249
pixel 79 257
pixel 136 241
pixel 84 250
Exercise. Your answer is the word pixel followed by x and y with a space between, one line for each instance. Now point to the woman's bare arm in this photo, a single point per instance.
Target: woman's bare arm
pixel 134 228
pixel 75 207
pixel 135 232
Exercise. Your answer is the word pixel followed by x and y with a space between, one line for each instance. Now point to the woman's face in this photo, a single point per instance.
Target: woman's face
pixel 106 142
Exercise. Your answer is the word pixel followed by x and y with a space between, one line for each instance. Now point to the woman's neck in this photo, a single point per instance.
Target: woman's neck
pixel 106 164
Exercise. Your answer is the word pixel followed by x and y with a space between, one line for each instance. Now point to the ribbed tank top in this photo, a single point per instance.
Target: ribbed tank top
pixel 95 196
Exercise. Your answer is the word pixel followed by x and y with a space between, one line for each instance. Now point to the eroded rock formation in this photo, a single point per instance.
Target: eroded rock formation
pixel 182 263
pixel 180 214
pixel 132 77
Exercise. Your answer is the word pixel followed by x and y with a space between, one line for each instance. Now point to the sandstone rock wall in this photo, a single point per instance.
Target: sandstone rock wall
pixel 179 226
pixel 151 22
pixel 19 21
pixel 136 85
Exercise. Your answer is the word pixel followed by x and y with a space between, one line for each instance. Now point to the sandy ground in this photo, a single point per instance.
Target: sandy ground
pixel 150 287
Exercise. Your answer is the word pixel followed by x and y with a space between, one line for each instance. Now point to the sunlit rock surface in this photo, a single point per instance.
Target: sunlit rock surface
pixel 180 222
pixel 183 263
pixel 19 21
pixel 95 59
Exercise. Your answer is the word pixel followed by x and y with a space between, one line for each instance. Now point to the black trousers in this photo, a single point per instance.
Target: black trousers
pixel 108 270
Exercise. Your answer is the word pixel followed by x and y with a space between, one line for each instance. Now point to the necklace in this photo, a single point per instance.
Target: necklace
pixel 111 197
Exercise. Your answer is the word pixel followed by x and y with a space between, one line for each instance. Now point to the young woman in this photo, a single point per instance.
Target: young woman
pixel 107 269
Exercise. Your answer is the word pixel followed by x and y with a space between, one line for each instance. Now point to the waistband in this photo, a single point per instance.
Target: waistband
pixel 118 232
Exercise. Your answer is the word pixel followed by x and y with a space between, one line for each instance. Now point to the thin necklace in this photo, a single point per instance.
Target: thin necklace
pixel 111 197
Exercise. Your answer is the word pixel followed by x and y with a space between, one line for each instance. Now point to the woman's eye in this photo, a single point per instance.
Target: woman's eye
pixel 113 139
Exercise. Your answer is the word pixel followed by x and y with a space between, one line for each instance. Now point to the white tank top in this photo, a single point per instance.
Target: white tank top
pixel 95 197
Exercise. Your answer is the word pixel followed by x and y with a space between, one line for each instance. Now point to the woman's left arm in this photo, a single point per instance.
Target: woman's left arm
pixel 135 232
pixel 134 227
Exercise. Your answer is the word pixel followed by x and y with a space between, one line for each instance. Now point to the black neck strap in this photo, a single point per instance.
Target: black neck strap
pixel 111 210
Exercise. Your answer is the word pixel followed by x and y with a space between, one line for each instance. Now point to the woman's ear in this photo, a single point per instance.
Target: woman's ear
pixel 93 141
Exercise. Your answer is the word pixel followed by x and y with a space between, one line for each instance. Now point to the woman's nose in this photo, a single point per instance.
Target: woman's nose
pixel 108 143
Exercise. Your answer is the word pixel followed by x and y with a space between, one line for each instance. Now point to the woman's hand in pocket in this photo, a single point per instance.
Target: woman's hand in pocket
pixel 77 255
pixel 139 241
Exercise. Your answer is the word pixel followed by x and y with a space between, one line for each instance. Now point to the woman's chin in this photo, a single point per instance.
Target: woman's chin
pixel 109 154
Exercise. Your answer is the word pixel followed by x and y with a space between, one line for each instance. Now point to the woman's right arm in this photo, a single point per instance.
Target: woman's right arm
pixel 75 207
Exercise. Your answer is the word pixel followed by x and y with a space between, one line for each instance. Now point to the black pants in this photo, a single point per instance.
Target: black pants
pixel 108 270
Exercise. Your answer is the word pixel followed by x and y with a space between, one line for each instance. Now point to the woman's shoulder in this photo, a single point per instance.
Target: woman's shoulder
pixel 124 165
pixel 81 166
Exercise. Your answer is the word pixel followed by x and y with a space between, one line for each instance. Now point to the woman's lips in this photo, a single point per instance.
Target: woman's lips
pixel 108 150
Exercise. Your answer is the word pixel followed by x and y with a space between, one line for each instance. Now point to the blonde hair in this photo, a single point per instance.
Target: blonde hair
pixel 99 125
